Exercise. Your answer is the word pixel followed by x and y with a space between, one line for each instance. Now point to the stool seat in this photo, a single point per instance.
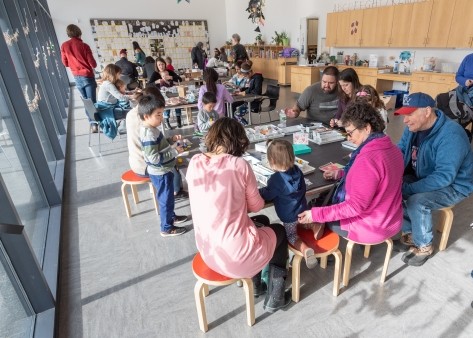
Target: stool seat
pixel 205 277
pixel 323 247
pixel 131 178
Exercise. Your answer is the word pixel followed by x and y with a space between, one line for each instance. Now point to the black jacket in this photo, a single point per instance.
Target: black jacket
pixel 239 53
pixel 156 76
pixel 198 56
pixel 128 68
pixel 256 88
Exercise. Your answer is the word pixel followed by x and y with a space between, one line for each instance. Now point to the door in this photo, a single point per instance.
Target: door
pixel 461 29
pixel 419 25
pixel 370 29
pixel 440 21
pixel 331 30
pixel 312 31
pixel 401 25
pixel 355 28
pixel 343 29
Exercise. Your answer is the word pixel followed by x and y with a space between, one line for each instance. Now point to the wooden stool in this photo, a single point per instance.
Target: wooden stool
pixel 327 245
pixel 132 179
pixel 205 277
pixel 444 226
pixel 348 256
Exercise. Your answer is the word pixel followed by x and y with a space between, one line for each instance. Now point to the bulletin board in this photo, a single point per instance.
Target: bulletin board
pixel 157 38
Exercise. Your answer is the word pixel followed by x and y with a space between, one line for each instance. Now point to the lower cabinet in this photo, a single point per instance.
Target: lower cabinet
pixel 432 83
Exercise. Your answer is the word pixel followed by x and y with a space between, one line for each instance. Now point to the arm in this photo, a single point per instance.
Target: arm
pixel 200 105
pixel 404 144
pixel 227 97
pixel 135 72
pixel 253 199
pixel 112 89
pixel 460 77
pixel 90 57
pixel 175 77
pixel 156 153
pixel 202 122
pixel 194 56
pixel 154 77
pixel 270 192
pixel 64 59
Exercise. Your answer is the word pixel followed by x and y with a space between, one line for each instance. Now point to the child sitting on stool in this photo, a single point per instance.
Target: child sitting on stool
pixel 207 115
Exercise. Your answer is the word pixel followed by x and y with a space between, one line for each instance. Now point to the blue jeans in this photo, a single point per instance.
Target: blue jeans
pixel 165 186
pixel 167 112
pixel 88 90
pixel 418 212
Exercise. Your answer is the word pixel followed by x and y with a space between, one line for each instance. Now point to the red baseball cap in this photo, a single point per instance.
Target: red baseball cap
pixel 122 51
pixel 415 101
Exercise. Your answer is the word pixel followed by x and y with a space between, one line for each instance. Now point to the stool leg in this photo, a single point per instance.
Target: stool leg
pixel 125 200
pixel 296 278
pixel 389 250
pixel 250 301
pixel 153 193
pixel 200 304
pixel 323 262
pixel 347 266
pixel 134 191
pixel 445 227
pixel 367 251
pixel 205 290
pixel 338 272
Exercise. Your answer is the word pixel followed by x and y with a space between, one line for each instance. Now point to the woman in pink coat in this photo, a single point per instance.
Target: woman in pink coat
pixel 222 191
pixel 366 206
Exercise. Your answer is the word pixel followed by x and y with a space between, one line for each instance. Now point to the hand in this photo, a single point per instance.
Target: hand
pixel 468 83
pixel 305 217
pixel 332 174
pixel 333 122
pixel 290 112
pixel 179 149
pixel 176 138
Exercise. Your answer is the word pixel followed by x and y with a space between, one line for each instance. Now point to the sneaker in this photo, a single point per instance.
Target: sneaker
pixel 182 194
pixel 404 243
pixel 419 255
pixel 174 231
pixel 179 219
pixel 310 259
pixel 94 128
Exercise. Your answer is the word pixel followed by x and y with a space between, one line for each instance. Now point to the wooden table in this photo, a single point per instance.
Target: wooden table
pixel 248 98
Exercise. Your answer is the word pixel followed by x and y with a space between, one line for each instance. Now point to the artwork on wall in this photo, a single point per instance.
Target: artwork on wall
pixel 255 8
pixel 157 38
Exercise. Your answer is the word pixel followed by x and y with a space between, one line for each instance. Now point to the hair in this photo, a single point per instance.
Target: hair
pixel 368 93
pixel 111 73
pixel 149 59
pixel 168 60
pixel 136 46
pixel 119 83
pixel 222 50
pixel 349 75
pixel 239 63
pixel 73 31
pixel 246 67
pixel 209 97
pixel 210 76
pixel 228 134
pixel 148 103
pixel 200 44
pixel 216 52
pixel 360 114
pixel 280 155
pixel 158 59
pixel 236 37
pixel 151 90
pixel 331 71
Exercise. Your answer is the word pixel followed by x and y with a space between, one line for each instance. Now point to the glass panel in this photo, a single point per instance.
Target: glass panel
pixel 15 319
pixel 30 91
pixel 21 178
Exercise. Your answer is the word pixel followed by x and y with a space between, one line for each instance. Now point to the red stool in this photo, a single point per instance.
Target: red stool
pixel 327 245
pixel 131 179
pixel 205 277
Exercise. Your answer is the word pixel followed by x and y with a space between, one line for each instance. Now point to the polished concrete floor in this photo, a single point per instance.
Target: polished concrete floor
pixel 120 278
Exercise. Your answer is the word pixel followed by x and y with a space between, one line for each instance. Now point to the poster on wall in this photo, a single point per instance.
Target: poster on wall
pixel 157 38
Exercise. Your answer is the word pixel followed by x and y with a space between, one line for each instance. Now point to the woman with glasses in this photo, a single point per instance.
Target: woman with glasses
pixel 366 205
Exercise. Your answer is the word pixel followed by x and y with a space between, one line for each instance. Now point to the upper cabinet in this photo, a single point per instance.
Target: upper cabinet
pixel 331 32
pixel 420 24
pixel 461 29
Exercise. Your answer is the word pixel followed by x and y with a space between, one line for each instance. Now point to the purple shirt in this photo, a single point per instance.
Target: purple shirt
pixel 222 96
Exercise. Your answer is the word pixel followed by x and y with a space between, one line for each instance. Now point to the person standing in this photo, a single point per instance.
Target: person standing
pixel 139 54
pixel 198 56
pixel 238 50
pixel 77 55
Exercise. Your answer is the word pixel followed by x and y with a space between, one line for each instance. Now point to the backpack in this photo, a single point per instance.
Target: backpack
pixel 455 107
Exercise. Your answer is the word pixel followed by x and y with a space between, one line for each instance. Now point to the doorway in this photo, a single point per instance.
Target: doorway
pixel 312 38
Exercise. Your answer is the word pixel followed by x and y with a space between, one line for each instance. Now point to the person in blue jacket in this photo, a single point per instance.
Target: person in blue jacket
pixel 438 173
pixel 464 75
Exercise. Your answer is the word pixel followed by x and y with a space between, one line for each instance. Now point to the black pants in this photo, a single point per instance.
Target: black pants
pixel 335 227
pixel 280 254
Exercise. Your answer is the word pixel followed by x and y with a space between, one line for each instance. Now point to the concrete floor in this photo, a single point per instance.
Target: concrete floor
pixel 120 278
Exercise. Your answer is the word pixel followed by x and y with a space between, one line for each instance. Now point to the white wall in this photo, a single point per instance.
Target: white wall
pixel 80 12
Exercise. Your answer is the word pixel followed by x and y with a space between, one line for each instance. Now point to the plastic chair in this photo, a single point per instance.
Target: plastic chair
pixel 129 178
pixel 205 277
pixel 92 111
pixel 444 226
pixel 324 247
pixel 272 93
pixel 349 253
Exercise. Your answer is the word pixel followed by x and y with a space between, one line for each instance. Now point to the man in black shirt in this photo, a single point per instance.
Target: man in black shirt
pixel 127 67
pixel 238 50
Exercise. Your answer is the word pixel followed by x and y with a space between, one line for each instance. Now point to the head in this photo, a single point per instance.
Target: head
pixel 111 73
pixel 200 45
pixel 160 65
pixel 210 77
pixel 349 83
pixel 209 101
pixel 235 39
pixel 136 45
pixel 73 31
pixel 150 109
pixel 418 111
pixel 329 79
pixel 120 86
pixel 360 120
pixel 123 53
pixel 246 69
pixel 222 50
pixel 168 60
pixel 151 90
pixel 216 53
pixel 238 66
pixel 227 136
pixel 149 59
pixel 280 155
pixel 369 95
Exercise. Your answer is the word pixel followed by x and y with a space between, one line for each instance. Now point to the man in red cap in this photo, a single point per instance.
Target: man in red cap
pixel 127 67
pixel 438 172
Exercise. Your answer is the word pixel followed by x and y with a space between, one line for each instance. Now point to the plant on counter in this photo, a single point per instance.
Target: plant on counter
pixel 276 38
pixel 259 39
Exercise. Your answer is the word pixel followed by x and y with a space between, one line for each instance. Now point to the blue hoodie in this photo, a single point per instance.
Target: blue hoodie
pixel 287 191
pixel 444 158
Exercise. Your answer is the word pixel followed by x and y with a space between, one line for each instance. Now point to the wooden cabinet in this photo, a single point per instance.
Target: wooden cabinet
pixel 367 76
pixel 461 29
pixel 432 83
pixel 400 30
pixel 284 73
pixel 369 33
pixel 303 76
pixel 266 61
pixel 419 25
pixel 440 20
pixel 343 29
pixel 331 32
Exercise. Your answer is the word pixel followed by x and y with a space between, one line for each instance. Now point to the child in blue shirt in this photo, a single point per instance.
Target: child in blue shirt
pixel 286 189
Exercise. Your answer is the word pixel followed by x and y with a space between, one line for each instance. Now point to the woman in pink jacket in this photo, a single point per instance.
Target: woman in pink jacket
pixel 366 206
pixel 210 78
pixel 222 191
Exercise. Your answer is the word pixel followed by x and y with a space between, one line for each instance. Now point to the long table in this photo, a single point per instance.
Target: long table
pixel 248 98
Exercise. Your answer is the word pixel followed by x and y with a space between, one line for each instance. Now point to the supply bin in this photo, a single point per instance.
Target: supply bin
pixel 399 96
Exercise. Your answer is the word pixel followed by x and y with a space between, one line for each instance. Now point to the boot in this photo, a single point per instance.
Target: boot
pixel 179 123
pixel 276 298
pixel 259 286
pixel 167 124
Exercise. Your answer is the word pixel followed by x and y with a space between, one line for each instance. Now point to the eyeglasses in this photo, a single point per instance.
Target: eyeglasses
pixel 349 133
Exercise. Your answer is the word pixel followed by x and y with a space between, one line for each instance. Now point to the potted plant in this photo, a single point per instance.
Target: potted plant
pixel 259 39
pixel 284 38
pixel 277 38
